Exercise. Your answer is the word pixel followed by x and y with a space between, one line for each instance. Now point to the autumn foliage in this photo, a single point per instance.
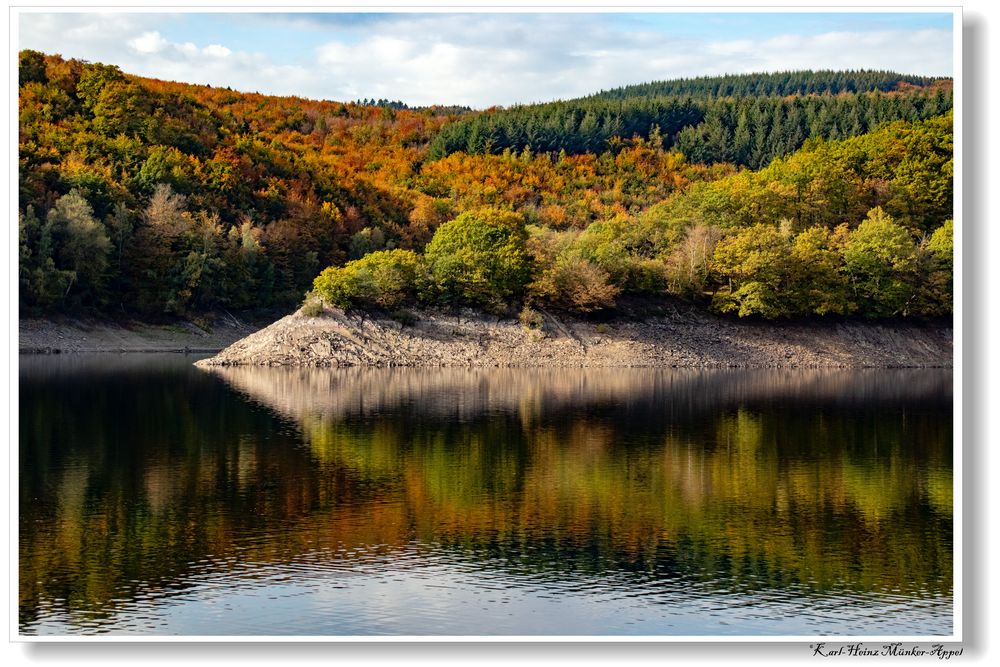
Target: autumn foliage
pixel 145 196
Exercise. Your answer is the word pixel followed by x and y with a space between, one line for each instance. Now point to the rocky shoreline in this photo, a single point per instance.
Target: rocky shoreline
pixel 674 337
pixel 64 334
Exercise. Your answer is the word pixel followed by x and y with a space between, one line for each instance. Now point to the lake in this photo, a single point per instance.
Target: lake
pixel 160 499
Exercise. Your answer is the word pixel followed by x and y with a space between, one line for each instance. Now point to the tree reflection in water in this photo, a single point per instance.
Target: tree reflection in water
pixel 136 472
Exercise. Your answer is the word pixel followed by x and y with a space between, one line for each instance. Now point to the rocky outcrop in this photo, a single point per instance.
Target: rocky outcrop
pixel 688 338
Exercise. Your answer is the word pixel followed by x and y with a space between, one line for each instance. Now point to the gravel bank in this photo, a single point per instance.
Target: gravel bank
pixel 67 334
pixel 679 337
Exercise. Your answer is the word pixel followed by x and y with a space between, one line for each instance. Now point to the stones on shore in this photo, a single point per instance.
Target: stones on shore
pixel 57 335
pixel 690 339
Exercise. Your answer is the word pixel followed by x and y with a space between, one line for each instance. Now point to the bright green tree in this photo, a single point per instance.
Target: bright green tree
pixel 480 257
pixel 935 261
pixel 386 279
pixel 880 262
pixel 817 285
pixel 754 266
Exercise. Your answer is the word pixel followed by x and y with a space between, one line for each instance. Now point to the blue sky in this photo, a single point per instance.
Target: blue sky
pixel 481 59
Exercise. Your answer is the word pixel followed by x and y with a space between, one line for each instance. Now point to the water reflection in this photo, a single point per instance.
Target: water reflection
pixel 747 499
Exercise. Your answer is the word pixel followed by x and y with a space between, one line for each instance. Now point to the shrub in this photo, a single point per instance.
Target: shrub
pixel 313 305
pixel 575 283
pixel 689 264
pixel 480 257
pixel 386 279
pixel 531 318
pixel 629 250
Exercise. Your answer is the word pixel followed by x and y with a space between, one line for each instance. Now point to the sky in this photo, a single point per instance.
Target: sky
pixel 482 59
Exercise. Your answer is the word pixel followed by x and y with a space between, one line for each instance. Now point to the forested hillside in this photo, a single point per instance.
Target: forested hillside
pixel 774 84
pixel 149 197
pixel 709 121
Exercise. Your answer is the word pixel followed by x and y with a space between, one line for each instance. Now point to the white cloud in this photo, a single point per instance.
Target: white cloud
pixel 133 42
pixel 474 59
pixel 216 50
pixel 148 42
pixel 449 59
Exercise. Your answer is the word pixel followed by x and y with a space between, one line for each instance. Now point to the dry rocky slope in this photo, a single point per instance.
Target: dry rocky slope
pixel 683 339
pixel 70 334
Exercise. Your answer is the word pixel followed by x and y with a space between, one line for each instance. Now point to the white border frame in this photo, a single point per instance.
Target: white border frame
pixel 557 6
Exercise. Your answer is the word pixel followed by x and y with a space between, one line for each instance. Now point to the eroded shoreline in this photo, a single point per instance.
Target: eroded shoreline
pixel 674 338
pixel 60 335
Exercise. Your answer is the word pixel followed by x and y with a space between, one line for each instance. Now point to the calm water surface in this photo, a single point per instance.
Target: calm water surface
pixel 156 498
